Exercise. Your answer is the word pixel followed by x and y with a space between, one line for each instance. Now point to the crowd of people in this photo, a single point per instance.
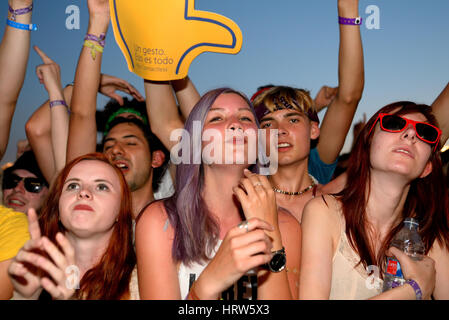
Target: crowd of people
pixel 140 215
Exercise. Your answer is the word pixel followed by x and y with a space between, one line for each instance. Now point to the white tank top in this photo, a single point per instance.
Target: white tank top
pixel 245 288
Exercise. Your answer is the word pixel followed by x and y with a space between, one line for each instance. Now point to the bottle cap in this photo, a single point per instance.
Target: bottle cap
pixel 411 221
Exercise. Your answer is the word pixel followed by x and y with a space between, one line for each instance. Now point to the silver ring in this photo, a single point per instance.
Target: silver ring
pixel 257 184
pixel 244 224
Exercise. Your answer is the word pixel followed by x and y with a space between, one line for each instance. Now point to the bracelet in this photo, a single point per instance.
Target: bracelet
pixel 19 12
pixel 21 26
pixel 55 103
pixel 348 21
pixel 416 288
pixel 94 48
pixel 101 39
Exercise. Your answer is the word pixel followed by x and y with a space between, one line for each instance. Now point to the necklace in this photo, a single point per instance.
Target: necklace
pixel 297 193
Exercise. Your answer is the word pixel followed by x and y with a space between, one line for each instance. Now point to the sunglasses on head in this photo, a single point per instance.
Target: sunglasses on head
pixel 33 185
pixel 395 123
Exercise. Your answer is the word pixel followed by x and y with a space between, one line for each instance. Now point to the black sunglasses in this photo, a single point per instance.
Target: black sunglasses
pixel 34 185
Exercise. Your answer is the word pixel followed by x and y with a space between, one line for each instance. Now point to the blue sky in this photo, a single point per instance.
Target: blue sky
pixel 289 42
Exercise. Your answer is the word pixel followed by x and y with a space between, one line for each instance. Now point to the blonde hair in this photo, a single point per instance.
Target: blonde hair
pixel 285 97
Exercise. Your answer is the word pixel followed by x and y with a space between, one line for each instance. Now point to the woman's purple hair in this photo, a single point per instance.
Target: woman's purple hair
pixel 196 231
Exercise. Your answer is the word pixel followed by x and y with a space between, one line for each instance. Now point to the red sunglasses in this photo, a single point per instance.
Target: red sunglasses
pixel 395 123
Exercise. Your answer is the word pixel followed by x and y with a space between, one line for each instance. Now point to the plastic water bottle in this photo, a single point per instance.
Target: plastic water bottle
pixel 409 241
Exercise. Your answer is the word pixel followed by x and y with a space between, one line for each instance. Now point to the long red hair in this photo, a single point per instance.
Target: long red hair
pixel 109 278
pixel 427 199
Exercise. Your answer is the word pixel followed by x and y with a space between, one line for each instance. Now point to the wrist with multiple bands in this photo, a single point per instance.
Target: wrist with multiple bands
pixel 101 39
pixel 96 44
pixel 415 287
pixel 349 21
pixel 17 25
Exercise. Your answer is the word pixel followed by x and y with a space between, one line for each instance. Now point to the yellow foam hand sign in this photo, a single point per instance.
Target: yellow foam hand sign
pixel 160 38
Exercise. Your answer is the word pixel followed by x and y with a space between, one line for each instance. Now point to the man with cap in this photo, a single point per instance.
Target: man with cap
pixel 24 188
pixel 23 184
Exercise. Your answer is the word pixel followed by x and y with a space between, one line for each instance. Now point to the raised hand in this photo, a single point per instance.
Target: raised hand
pixel 244 247
pixel 110 84
pixel 49 73
pixel 324 97
pixel 62 284
pixel 24 276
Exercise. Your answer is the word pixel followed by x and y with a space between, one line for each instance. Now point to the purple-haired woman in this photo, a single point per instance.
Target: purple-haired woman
pixel 220 236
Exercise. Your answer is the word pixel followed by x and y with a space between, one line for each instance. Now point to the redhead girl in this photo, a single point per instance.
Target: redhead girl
pixel 85 248
pixel 394 173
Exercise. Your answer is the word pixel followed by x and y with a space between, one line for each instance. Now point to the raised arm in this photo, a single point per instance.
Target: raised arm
pixel 339 115
pixel 38 130
pixel 83 129
pixel 162 110
pixel 186 94
pixel 49 74
pixel 14 53
pixel 440 108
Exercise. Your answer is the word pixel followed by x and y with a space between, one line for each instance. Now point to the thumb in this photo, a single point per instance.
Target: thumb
pixel 398 254
pixel 154 56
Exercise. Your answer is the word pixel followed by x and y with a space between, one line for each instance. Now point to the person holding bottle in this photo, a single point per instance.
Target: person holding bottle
pixel 396 173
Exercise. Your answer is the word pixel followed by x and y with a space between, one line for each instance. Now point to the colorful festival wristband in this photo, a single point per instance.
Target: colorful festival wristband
pixel 19 12
pixel 55 103
pixel 94 48
pixel 21 26
pixel 101 39
pixel 348 21
pixel 416 288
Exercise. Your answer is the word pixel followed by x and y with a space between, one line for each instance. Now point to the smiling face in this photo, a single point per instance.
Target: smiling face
pixel 295 131
pixel 230 129
pixel 90 198
pixel 402 152
pixel 20 199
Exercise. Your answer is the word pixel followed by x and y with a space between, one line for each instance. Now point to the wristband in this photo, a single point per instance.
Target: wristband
pixel 94 48
pixel 19 12
pixel 416 288
pixel 348 21
pixel 58 103
pixel 21 26
pixel 101 39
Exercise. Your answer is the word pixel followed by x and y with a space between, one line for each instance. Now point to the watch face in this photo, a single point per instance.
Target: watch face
pixel 278 261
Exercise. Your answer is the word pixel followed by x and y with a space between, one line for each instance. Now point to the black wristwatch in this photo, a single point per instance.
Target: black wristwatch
pixel 278 261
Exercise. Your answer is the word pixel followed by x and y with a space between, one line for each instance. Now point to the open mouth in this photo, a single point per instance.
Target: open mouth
pixel 405 152
pixel 16 203
pixel 284 146
pixel 123 166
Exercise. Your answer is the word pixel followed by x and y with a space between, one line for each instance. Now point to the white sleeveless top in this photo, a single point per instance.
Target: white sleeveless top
pixel 245 288
pixel 349 280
